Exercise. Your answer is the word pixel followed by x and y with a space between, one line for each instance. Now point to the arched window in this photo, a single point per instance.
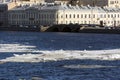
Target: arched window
pixel 111 15
pixel 115 16
pixel 74 16
pixel 89 16
pixel 85 15
pixel 70 16
pixel 66 16
pixel 77 15
pixel 81 16
pixel 108 16
pixel 104 16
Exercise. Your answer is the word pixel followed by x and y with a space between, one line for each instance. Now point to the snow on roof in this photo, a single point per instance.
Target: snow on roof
pixel 3 3
pixel 53 6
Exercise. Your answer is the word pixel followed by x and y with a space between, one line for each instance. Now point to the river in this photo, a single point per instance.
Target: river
pixel 59 56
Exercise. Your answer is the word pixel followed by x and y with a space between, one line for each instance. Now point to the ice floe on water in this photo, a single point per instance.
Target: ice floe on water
pixel 54 55
pixel 15 48
pixel 64 55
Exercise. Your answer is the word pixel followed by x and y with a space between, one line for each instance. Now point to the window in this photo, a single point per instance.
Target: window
pixel 111 2
pixel 111 21
pixel 57 15
pixel 70 15
pixel 108 16
pixel 85 15
pixel 1 11
pixel 94 16
pixel 118 22
pixel 66 15
pixel 89 22
pixel 101 16
pixel 74 16
pixel 81 22
pixel 104 16
pixel 51 16
pixel 111 16
pixel 116 1
pixel 115 16
pixel 89 16
pixel 81 16
pixel 1 23
pixel 78 16
pixel 61 16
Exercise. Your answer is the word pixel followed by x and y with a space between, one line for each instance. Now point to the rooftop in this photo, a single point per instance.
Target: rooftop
pixel 52 6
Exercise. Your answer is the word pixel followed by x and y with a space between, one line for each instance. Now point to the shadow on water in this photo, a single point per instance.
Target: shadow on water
pixel 61 70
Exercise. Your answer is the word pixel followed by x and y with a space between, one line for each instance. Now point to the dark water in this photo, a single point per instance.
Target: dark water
pixel 55 70
pixel 65 41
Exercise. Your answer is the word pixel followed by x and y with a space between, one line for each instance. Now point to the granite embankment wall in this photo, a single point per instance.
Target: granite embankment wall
pixel 82 29
pixel 19 29
pixel 76 29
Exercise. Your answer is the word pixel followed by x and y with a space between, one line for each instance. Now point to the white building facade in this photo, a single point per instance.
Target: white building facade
pixel 63 14
pixel 31 16
pixel 114 3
